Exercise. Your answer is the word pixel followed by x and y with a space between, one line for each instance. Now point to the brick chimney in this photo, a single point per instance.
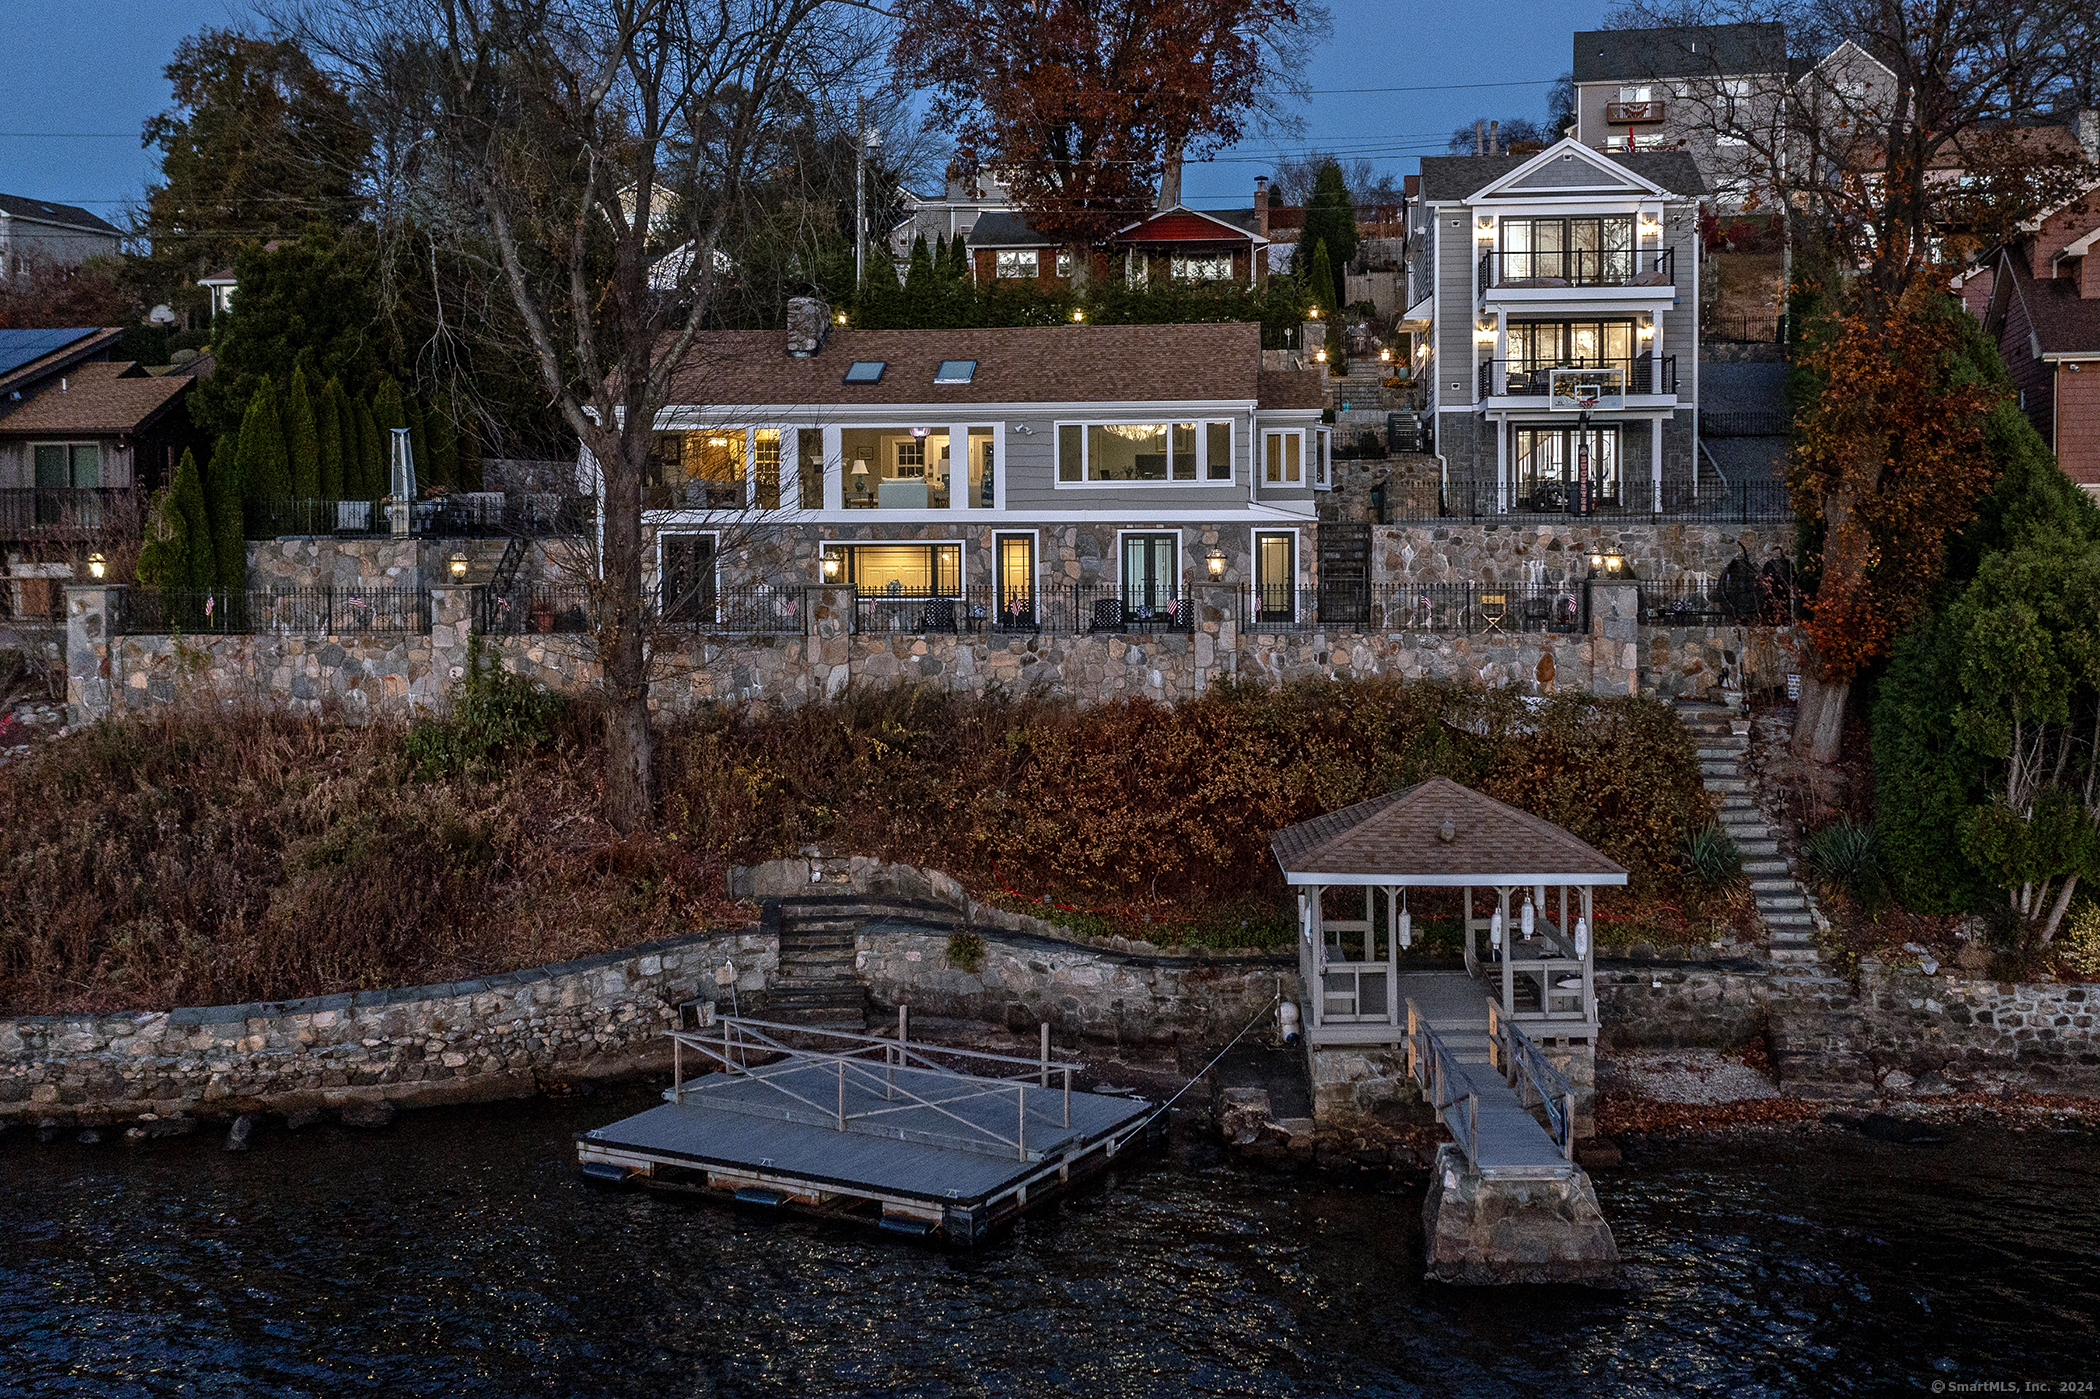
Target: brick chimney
pixel 1261 205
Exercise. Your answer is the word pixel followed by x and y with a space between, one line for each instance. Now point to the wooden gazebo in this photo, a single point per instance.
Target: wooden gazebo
pixel 1534 938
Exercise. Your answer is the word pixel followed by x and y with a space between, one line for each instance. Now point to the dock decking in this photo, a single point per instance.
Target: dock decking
pixel 1508 1142
pixel 872 1130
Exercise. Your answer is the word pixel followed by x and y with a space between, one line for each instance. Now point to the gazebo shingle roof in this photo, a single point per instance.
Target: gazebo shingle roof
pixel 1393 839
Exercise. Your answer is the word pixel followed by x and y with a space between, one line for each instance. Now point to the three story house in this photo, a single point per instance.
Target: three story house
pixel 1564 328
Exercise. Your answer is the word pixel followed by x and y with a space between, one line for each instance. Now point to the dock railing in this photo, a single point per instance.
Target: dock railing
pixel 1456 1102
pixel 1536 1082
pixel 904 1076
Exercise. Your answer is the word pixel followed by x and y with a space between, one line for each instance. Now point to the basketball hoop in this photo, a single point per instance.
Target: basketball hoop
pixel 1587 395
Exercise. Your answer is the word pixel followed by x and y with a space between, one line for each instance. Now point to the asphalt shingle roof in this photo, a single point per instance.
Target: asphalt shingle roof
pixel 1396 835
pixel 43 211
pixel 1015 364
pixel 1456 176
pixel 99 399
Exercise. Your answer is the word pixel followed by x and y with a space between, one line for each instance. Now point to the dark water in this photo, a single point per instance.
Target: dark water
pixel 457 1253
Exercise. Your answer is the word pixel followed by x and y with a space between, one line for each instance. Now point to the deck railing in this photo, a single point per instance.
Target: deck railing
pixel 468 515
pixel 1618 497
pixel 1450 1093
pixel 1578 267
pixel 54 511
pixel 1058 609
pixel 863 1071
pixel 1537 1083
pixel 1533 378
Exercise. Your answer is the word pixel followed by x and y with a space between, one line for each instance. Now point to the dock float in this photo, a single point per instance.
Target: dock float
pixel 917 1139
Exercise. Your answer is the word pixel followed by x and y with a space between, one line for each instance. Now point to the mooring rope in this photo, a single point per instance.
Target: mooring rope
pixel 1274 1001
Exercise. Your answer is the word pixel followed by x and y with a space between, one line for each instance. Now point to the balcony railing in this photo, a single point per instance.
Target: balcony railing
pixel 1463 609
pixel 1057 609
pixel 1534 378
pixel 51 511
pixel 1741 502
pixel 311 612
pixel 1632 113
pixel 1624 267
pixel 475 515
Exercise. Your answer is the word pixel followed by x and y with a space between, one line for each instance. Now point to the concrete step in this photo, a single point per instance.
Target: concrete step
pixel 1711 767
pixel 1758 847
pixel 1795 956
pixel 1725 784
pixel 1754 868
pixel 1797 919
pixel 1711 752
pixel 1769 904
pixel 1774 886
pixel 1740 831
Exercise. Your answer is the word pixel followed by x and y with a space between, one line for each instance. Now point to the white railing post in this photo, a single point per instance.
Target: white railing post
pixel 677 1069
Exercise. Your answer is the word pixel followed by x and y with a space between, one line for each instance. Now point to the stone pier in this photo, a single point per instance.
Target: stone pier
pixel 1479 1229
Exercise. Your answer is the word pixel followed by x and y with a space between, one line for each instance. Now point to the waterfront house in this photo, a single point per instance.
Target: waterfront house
pixel 974 478
pixel 1562 316
pixel 2044 312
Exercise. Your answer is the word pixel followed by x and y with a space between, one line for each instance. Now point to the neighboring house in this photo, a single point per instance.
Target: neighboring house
pixel 221 286
pixel 2044 312
pixel 988 473
pixel 34 232
pixel 955 210
pixel 31 358
pixel 1686 87
pixel 78 458
pixel 1177 244
pixel 1567 259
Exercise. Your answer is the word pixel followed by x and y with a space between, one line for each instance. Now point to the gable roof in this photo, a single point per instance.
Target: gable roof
pixel 101 399
pixel 1393 839
pixel 64 215
pixel 1182 224
pixel 1216 362
pixel 1455 177
pixel 1291 388
pixel 27 357
pixel 1679 51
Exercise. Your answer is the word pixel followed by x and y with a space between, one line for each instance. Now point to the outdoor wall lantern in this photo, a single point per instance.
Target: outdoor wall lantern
pixel 919 431
pixel 1320 355
pixel 1214 561
pixel 831 568
pixel 1312 312
pixel 1485 334
pixel 840 318
pixel 97 565
pixel 1609 565
pixel 1484 228
pixel 1385 354
pixel 1078 315
pixel 1647 330
pixel 458 568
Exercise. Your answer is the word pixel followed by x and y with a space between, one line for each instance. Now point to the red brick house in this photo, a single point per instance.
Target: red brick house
pixel 2044 312
pixel 1178 245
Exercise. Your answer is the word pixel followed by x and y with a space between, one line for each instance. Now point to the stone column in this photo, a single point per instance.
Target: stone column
pixel 453 608
pixel 1615 636
pixel 1217 635
pixel 90 683
pixel 830 641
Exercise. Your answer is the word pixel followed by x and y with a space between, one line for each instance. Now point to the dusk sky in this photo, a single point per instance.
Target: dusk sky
pixel 79 77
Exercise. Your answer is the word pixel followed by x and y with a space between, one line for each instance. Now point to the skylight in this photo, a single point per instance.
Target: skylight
pixel 955 371
pixel 866 371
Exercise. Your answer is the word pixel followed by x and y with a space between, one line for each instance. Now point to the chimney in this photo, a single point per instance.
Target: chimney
pixel 809 321
pixel 1261 206
pixel 1480 140
pixel 1494 138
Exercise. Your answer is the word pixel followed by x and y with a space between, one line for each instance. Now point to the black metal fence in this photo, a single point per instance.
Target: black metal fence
pixel 533 609
pixel 1743 329
pixel 1058 610
pixel 270 611
pixel 1739 596
pixel 1462 609
pixel 1754 424
pixel 475 515
pixel 1741 502
pixel 545 610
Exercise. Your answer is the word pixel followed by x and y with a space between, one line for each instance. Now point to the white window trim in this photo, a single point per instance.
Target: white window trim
pixel 1202 478
pixel 1254 534
pixel 1035 555
pixel 1261 467
pixel 1181 554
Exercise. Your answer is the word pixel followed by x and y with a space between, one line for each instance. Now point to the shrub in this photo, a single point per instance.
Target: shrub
pixel 965 951
pixel 1846 857
pixel 1711 858
pixel 494 715
pixel 2080 939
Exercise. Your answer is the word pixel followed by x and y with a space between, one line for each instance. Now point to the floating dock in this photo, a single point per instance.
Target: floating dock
pixel 915 1138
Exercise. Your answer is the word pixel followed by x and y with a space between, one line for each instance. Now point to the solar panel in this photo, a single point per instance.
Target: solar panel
pixel 19 347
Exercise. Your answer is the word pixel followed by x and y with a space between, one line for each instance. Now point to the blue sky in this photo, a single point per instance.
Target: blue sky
pixel 79 76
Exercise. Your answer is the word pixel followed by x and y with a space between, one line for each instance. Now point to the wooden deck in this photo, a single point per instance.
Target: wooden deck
pixel 1510 1143
pixel 895 1141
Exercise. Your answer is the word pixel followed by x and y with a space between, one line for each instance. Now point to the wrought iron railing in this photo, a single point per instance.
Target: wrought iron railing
pixel 1742 502
pixel 265 611
pixel 1632 113
pixel 533 610
pixel 1075 609
pixel 1767 423
pixel 1534 378
pixel 1578 267
pixel 1739 596
pixel 472 515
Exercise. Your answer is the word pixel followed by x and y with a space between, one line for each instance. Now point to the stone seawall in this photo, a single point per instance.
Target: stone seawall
pixel 364 674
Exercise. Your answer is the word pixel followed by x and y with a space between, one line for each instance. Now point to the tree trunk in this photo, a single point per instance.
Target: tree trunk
pixel 1819 723
pixel 1170 178
pixel 629 745
pixel 1082 264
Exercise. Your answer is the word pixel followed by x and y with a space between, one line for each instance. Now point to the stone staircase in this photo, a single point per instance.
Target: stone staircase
pixel 818 984
pixel 1781 901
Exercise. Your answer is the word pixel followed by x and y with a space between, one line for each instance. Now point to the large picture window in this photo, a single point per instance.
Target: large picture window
pixel 68 465
pixel 1580 251
pixel 901 570
pixel 1144 452
pixel 1546 466
pixel 700 470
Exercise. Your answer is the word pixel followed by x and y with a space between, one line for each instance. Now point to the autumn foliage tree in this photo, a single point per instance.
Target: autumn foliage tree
pixel 1084 103
pixel 1888 460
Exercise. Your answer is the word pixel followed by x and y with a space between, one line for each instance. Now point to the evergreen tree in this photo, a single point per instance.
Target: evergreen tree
pixel 468 452
pixel 1330 219
pixel 302 442
pixel 186 495
pixel 1319 280
pixel 921 273
pixel 328 441
pixel 879 302
pixel 959 260
pixel 164 560
pixel 265 473
pixel 940 256
pixel 223 494
pixel 371 456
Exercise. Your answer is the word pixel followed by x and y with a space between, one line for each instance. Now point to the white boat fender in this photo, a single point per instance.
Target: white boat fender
pixel 1287 1021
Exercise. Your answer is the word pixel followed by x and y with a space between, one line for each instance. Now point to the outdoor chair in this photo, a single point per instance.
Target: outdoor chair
pixel 938 615
pixel 1106 615
pixel 1494 610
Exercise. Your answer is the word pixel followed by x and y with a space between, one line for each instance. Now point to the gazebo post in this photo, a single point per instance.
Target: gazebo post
pixel 1317 992
pixel 1589 960
pixel 1465 930
pixel 1392 954
pixel 1509 971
